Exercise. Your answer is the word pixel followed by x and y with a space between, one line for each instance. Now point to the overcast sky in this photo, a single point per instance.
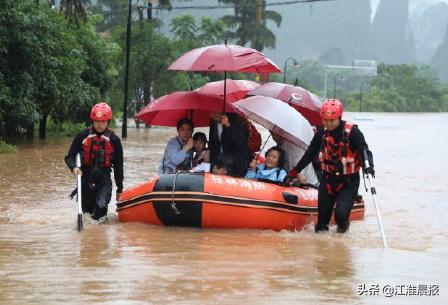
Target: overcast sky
pixel 416 6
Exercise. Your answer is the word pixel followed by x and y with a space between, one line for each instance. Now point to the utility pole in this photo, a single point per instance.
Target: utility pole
pixel 360 97
pixel 137 97
pixel 334 90
pixel 149 10
pixel 258 22
pixel 140 15
pixel 124 127
pixel 147 89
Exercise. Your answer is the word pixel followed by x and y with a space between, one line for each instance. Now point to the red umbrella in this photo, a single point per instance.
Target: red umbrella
pixel 305 102
pixel 225 58
pixel 236 89
pixel 168 109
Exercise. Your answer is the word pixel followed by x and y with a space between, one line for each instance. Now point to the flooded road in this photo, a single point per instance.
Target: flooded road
pixel 43 260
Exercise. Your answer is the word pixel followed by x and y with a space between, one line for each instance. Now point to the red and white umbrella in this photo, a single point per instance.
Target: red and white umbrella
pixel 305 102
pixel 278 117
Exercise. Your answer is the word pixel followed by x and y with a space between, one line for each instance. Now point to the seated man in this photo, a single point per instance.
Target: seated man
pixel 271 169
pixel 179 150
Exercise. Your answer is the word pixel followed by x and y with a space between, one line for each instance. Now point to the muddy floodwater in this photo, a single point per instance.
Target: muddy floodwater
pixel 44 260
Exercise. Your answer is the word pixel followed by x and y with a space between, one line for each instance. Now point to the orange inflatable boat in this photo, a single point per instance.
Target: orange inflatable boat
pixel 212 201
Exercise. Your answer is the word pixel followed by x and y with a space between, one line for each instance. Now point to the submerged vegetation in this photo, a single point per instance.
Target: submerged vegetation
pixel 6 148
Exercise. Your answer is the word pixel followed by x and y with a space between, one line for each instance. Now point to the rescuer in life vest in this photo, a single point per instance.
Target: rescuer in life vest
pixel 100 150
pixel 340 147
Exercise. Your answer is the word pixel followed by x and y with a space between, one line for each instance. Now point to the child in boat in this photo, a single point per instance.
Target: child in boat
pixel 223 165
pixel 202 153
pixel 271 169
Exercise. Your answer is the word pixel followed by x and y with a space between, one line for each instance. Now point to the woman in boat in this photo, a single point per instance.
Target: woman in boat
pixel 271 169
pixel 179 150
pixel 202 153
pixel 293 154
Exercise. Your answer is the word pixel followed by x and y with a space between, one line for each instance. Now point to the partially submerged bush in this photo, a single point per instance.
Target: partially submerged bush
pixel 6 148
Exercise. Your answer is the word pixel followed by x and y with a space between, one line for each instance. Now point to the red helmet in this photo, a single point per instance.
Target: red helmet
pixel 331 109
pixel 101 112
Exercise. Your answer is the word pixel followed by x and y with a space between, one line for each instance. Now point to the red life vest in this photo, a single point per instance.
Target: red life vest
pixel 98 148
pixel 338 158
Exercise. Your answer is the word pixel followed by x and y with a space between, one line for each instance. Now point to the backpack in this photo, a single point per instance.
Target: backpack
pixel 253 136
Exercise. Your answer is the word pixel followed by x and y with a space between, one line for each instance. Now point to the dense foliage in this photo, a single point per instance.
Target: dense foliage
pixel 48 67
pixel 395 88
pixel 54 65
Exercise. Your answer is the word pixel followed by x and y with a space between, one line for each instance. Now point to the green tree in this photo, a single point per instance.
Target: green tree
pixel 74 10
pixel 115 12
pixel 184 27
pixel 406 88
pixel 209 31
pixel 249 23
pixel 440 60
pixel 48 67
pixel 212 31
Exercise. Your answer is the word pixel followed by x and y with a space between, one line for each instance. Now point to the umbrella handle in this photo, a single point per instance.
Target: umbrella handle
pixel 264 144
pixel 225 91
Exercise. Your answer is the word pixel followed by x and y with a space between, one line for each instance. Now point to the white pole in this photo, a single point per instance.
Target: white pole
pixel 325 84
pixel 373 192
pixel 79 199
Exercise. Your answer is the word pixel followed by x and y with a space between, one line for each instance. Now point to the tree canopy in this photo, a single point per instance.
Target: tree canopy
pixel 48 67
pixel 57 63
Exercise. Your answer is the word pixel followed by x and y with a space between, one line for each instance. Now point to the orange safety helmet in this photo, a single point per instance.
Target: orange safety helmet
pixel 101 112
pixel 331 109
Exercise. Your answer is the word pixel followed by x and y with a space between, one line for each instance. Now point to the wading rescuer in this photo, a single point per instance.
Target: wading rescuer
pixel 100 150
pixel 340 147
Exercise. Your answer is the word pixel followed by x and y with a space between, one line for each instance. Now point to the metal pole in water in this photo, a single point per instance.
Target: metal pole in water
pixel 79 195
pixel 373 192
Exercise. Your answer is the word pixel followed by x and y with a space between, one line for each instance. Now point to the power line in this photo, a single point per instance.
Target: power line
pixel 206 7
pixel 211 7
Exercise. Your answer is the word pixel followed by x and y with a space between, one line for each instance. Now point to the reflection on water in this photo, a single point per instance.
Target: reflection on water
pixel 43 260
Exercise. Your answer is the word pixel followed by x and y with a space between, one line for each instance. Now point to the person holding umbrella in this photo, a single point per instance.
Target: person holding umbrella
pixel 340 147
pixel 100 150
pixel 272 169
pixel 293 154
pixel 227 132
pixel 228 135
